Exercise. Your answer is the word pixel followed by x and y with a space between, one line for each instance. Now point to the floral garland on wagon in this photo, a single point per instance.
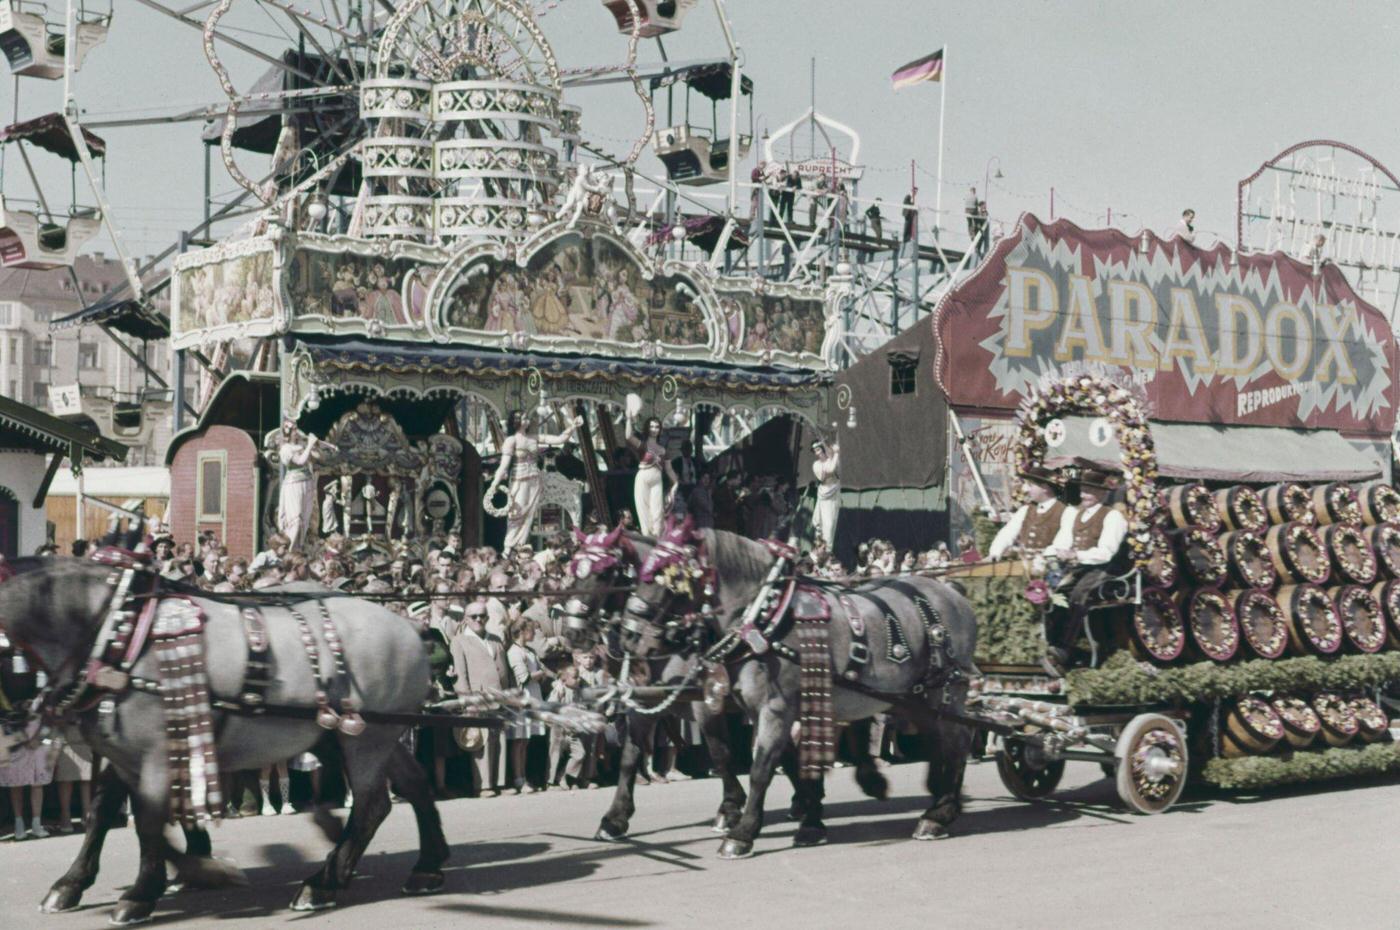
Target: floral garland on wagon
pixel 1099 397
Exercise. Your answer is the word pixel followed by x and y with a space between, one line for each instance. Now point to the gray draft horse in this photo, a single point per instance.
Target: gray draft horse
pixel 53 610
pixel 768 688
pixel 607 561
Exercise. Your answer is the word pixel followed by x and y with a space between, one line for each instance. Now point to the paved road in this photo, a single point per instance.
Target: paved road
pixel 1297 859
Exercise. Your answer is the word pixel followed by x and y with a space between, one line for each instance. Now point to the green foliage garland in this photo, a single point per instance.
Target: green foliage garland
pixel 1121 680
pixel 1008 625
pixel 1263 771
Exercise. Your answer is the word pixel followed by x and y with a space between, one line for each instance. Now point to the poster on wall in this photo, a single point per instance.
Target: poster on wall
pixel 1208 335
pixel 992 443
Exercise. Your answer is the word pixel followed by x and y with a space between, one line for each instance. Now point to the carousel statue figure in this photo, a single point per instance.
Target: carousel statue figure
pixel 826 467
pixel 520 460
pixel 647 490
pixel 296 501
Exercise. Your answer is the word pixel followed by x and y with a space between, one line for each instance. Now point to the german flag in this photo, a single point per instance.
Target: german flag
pixel 928 68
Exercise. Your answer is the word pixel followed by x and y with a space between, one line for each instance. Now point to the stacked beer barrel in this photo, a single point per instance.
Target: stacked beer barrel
pixel 1288 571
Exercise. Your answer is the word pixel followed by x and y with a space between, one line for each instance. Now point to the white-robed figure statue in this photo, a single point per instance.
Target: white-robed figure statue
pixel 296 501
pixel 826 467
pixel 648 490
pixel 520 461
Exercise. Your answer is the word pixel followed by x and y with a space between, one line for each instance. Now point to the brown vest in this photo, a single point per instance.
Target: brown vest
pixel 1087 531
pixel 1038 529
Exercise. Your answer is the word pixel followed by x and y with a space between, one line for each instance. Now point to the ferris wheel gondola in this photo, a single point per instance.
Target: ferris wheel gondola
pixel 42 238
pixel 33 39
pixel 693 154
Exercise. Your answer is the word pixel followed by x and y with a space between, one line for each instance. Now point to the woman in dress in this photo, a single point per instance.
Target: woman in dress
pixel 529 674
pixel 520 461
pixel 74 766
pixel 296 500
pixel 29 766
pixel 648 490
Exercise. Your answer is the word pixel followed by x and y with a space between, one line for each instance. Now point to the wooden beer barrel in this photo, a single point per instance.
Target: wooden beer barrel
pixel 1250 563
pixel 1298 553
pixel 1363 622
pixel 1300 723
pixel 1335 502
pixel 1215 631
pixel 1158 631
pixel 1288 503
pixel 1241 508
pixel 1384 540
pixel 1190 505
pixel 1380 503
pixel 1160 571
pixel 1372 724
pixel 1263 629
pixel 1314 628
pixel 1338 719
pixel 1202 556
pixel 1252 728
pixel 1388 596
pixel 1353 560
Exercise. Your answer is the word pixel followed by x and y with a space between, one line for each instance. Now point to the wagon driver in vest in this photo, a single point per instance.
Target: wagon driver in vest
pixel 1089 548
pixel 1034 526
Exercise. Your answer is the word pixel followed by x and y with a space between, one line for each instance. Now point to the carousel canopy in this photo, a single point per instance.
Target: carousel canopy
pixel 50 132
pixel 715 80
pixel 488 362
pixel 1257 454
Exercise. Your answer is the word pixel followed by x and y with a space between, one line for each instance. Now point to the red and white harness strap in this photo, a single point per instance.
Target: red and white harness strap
pixel 193 767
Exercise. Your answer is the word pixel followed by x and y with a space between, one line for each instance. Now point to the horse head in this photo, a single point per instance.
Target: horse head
pixel 675 585
pixel 603 560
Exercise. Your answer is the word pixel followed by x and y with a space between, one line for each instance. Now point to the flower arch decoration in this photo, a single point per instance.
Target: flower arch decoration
pixel 1093 396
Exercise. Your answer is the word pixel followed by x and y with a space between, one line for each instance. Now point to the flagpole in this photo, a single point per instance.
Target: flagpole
pixel 942 108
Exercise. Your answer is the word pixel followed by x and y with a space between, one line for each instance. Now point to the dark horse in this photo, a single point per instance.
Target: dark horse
pixel 917 634
pixel 54 611
pixel 609 561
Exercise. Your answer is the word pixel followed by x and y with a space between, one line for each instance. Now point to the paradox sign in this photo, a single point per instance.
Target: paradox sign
pixel 1209 336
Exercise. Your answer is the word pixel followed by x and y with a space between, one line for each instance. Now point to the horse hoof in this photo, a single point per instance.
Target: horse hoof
pixel 930 830
pixel 128 913
pixel 61 898
pixel 313 899
pixel 424 883
pixel 721 824
pixel 609 832
pixel 872 783
pixel 808 835
pixel 733 848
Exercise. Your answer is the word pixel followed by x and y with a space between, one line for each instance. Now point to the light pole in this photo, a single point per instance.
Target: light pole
pixel 987 176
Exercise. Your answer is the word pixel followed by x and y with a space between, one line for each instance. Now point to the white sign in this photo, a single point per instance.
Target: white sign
pixel 65 399
pixel 1055 433
pixel 1101 431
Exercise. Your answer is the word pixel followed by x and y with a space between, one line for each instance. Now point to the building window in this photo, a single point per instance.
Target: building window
pixel 902 376
pixel 41 395
pixel 87 355
pixel 43 353
pixel 41 316
pixel 9 313
pixel 211 487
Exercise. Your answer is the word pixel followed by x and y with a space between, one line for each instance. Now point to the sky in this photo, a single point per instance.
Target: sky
pixel 1141 108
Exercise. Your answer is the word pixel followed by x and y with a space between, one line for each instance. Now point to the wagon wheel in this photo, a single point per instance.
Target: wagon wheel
pixel 1025 771
pixel 1152 763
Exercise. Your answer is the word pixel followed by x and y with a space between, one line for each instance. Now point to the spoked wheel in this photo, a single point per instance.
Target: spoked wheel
pixel 1025 770
pixel 1152 763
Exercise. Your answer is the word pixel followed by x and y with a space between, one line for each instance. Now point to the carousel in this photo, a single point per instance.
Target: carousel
pixel 482 294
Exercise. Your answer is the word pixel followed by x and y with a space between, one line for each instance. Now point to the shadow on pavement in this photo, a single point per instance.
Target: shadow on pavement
pixel 548 918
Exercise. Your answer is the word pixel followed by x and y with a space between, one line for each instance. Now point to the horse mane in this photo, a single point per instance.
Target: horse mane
pixel 739 563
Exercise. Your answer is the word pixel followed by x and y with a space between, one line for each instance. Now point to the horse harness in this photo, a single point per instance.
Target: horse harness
pixel 138 615
pixel 785 604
